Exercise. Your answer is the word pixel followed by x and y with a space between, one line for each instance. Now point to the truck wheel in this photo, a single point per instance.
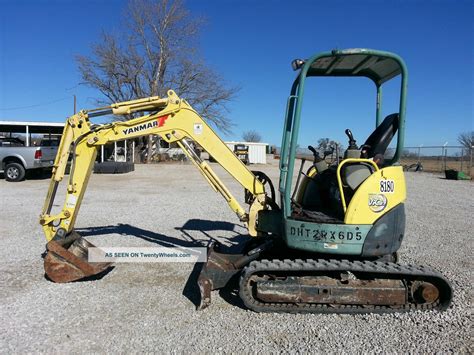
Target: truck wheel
pixel 14 172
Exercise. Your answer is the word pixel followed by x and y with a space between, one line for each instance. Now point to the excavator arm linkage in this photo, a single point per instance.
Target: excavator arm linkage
pixel 174 120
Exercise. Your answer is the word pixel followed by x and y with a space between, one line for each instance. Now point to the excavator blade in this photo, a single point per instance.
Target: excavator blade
pixel 66 260
pixel 221 268
pixel 215 273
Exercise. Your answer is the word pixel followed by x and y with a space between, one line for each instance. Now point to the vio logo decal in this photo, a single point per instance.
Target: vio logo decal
pixel 159 122
pixel 377 202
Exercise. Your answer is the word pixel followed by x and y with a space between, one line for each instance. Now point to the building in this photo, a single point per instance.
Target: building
pixel 257 151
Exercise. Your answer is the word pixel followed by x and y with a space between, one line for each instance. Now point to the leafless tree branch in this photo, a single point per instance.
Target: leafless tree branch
pixel 252 136
pixel 466 139
pixel 156 52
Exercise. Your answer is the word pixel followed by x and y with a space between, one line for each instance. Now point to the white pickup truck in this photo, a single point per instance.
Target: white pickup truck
pixel 16 159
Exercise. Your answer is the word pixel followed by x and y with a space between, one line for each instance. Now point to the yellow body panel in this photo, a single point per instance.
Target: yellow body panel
pixel 339 181
pixel 375 197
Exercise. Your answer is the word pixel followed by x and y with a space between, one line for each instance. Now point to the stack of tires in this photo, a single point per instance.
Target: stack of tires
pixel 112 167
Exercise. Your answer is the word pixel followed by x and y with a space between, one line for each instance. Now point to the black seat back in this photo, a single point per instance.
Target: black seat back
pixel 379 140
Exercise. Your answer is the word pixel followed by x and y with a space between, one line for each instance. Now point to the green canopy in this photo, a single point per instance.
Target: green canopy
pixel 356 62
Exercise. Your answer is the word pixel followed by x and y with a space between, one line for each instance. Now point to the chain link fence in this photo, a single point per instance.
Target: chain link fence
pixel 434 159
pixel 437 159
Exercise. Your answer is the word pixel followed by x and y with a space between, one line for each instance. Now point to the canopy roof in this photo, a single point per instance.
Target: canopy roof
pixel 33 127
pixel 376 65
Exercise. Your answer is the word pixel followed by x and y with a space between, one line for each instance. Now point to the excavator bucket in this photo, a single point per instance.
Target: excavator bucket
pixel 66 260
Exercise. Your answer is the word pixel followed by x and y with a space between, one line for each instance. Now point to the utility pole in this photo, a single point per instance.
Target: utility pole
pixel 74 104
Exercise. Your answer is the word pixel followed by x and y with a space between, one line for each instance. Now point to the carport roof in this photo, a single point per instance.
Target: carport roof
pixel 33 127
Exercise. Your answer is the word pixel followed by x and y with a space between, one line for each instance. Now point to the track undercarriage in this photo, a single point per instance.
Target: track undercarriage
pixel 324 285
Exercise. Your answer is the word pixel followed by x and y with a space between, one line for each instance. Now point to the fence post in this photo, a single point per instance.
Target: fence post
pixel 419 154
pixel 133 151
pixel 470 161
pixel 445 154
pixel 445 157
pixel 125 148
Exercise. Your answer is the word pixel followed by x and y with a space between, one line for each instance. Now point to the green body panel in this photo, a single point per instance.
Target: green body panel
pixel 325 238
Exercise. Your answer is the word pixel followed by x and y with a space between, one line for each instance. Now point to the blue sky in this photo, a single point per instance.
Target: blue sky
pixel 251 43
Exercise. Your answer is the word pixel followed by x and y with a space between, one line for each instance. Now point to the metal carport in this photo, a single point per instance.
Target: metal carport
pixel 29 128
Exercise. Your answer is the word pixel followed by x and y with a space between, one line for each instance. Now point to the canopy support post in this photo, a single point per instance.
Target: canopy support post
pixel 379 105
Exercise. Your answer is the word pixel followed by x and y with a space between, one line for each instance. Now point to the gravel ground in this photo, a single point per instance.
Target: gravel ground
pixel 148 307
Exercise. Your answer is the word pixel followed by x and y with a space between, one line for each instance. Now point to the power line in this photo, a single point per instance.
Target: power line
pixel 36 105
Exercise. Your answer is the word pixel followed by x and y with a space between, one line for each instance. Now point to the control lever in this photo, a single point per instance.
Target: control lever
pixel 317 158
pixel 319 163
pixel 352 141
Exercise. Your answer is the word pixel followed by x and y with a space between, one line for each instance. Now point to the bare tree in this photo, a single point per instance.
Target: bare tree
pixel 157 51
pixel 251 136
pixel 326 144
pixel 466 139
pixel 323 143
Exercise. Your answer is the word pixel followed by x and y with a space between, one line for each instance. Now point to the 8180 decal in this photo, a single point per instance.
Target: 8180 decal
pixel 387 186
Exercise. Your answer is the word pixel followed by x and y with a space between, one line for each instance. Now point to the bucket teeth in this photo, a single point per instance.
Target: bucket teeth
pixel 66 260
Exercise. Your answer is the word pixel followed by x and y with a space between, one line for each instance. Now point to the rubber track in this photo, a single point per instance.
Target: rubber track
pixel 407 273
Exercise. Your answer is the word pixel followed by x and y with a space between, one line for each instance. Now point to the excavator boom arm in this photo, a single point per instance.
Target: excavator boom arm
pixel 171 118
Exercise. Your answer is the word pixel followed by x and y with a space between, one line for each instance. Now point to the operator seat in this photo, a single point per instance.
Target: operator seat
pixel 353 175
pixel 381 137
pixel 322 192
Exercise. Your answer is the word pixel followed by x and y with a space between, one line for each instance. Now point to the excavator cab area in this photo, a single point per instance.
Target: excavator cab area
pixel 320 192
pixel 333 207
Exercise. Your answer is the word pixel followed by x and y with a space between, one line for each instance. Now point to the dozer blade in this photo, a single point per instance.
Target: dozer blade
pixel 66 260
pixel 215 273
pixel 221 267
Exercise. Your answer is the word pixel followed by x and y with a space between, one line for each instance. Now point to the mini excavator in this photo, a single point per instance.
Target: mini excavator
pixel 328 246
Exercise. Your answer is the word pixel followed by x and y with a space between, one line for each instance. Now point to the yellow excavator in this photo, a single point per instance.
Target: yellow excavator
pixel 328 244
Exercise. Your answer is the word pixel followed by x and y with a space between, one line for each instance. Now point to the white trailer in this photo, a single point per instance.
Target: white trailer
pixel 257 151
